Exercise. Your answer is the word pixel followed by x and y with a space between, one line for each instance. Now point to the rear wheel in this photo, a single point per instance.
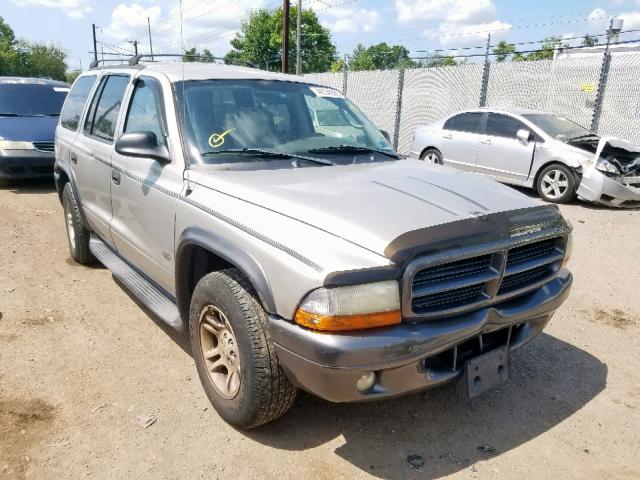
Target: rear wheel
pixel 234 355
pixel 77 234
pixel 556 184
pixel 432 155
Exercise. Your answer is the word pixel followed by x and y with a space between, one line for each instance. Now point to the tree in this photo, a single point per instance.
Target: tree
pixel 504 50
pixel 259 41
pixel 549 45
pixel 589 40
pixel 192 55
pixel 441 61
pixel 338 66
pixel 380 57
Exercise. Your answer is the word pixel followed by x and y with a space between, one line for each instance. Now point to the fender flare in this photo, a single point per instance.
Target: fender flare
pixel 220 246
pixel 72 181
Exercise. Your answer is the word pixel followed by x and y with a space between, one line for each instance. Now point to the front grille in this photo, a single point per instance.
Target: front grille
pixel 44 146
pixel 445 288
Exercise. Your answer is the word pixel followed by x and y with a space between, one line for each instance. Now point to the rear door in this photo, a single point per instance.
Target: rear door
pixel 460 140
pixel 144 194
pixel 501 154
pixel 91 157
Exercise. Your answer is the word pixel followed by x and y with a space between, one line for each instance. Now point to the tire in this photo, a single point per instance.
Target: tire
pixel 228 326
pixel 432 155
pixel 556 184
pixel 77 233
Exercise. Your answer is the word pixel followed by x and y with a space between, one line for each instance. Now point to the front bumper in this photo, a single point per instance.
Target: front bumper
pixel 329 365
pixel 598 188
pixel 18 164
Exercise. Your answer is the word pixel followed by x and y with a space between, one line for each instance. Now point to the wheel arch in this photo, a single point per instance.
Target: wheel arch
pixel 200 252
pixel 429 147
pixel 555 161
pixel 61 177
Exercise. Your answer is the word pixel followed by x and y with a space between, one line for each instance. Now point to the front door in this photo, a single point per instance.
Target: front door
pixel 144 191
pixel 501 154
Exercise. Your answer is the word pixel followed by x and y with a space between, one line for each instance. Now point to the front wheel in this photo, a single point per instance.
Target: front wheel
pixel 556 184
pixel 432 155
pixel 77 234
pixel 234 355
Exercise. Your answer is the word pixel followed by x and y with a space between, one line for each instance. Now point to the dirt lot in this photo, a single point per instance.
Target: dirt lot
pixel 80 361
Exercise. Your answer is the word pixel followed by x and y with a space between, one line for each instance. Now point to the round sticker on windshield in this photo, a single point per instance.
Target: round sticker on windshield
pixel 217 139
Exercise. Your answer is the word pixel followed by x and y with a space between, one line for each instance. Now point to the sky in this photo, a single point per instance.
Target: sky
pixel 452 26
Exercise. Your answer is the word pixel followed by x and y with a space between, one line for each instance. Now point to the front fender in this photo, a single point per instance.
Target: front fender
pixel 218 245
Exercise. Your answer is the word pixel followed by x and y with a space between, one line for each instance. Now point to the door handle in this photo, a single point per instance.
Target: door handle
pixel 486 141
pixel 448 136
pixel 115 177
pixel 73 156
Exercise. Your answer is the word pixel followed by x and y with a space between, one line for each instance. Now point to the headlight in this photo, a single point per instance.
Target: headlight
pixel 10 145
pixel 606 166
pixel 351 308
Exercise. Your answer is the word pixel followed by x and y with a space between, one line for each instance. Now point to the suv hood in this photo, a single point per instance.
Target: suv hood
pixel 367 204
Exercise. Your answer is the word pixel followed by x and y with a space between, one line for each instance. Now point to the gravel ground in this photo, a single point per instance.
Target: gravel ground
pixel 80 362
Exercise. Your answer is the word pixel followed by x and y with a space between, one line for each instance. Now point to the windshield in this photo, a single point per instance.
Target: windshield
pixel 29 100
pixel 230 120
pixel 557 127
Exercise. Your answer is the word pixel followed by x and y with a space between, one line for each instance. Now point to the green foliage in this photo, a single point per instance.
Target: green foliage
pixel 440 61
pixel 27 59
pixel 380 57
pixel 338 66
pixel 192 55
pixel 503 51
pixel 259 41
pixel 589 40
pixel 71 75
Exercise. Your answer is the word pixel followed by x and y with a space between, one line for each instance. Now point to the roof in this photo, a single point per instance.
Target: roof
pixel 511 110
pixel 37 81
pixel 178 71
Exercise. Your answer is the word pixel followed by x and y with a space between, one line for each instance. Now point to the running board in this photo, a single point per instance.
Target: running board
pixel 151 296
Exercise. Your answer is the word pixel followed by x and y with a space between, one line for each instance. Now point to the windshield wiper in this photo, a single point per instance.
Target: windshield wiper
pixel 46 115
pixel 352 149
pixel 581 137
pixel 258 152
pixel 10 115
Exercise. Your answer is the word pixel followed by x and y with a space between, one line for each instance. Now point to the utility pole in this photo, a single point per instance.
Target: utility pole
pixel 285 36
pixel 485 74
pixel 614 29
pixel 135 45
pixel 299 40
pixel 150 44
pixel 95 44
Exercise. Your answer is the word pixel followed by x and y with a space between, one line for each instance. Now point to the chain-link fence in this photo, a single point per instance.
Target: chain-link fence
pixel 579 87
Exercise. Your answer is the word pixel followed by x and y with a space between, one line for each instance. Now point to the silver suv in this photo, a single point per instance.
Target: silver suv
pixel 297 256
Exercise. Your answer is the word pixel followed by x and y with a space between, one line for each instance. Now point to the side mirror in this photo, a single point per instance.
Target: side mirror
pixel 142 144
pixel 523 135
pixel 386 135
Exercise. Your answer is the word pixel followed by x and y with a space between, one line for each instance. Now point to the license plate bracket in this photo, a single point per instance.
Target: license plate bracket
pixel 487 371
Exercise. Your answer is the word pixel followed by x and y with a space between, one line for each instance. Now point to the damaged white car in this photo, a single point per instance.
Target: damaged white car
pixel 534 149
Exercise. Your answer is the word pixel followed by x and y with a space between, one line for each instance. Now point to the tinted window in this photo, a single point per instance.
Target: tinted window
pixel 557 127
pixel 70 116
pixel 465 122
pixel 101 121
pixel 145 110
pixel 29 100
pixel 503 126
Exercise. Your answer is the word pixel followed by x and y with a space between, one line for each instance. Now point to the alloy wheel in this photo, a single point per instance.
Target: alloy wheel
pixel 554 184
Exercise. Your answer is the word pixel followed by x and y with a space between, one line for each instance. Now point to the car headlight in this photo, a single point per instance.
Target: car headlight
pixel 606 166
pixel 352 307
pixel 11 145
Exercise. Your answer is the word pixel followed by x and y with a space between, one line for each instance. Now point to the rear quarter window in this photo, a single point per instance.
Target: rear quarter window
pixel 73 106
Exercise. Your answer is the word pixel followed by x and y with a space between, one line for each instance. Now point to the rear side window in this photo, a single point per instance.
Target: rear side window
pixel 105 107
pixel 503 126
pixel 465 122
pixel 72 110
pixel 145 110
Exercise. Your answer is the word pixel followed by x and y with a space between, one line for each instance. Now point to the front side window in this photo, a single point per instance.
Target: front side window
pixel 74 104
pixel 103 115
pixel 223 117
pixel 19 99
pixel 503 126
pixel 465 122
pixel 145 110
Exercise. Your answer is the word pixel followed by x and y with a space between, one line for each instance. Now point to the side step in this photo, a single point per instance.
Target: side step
pixel 151 296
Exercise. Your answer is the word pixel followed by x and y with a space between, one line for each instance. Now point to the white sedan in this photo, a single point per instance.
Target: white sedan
pixel 534 149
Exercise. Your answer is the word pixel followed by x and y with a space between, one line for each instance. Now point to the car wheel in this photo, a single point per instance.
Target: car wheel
pixel 556 184
pixel 432 155
pixel 234 355
pixel 77 234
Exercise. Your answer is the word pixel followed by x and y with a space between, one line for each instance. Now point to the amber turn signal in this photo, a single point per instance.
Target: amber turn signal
pixel 347 322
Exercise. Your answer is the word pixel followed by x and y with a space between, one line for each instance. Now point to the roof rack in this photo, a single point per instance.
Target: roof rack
pixel 95 63
pixel 135 60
